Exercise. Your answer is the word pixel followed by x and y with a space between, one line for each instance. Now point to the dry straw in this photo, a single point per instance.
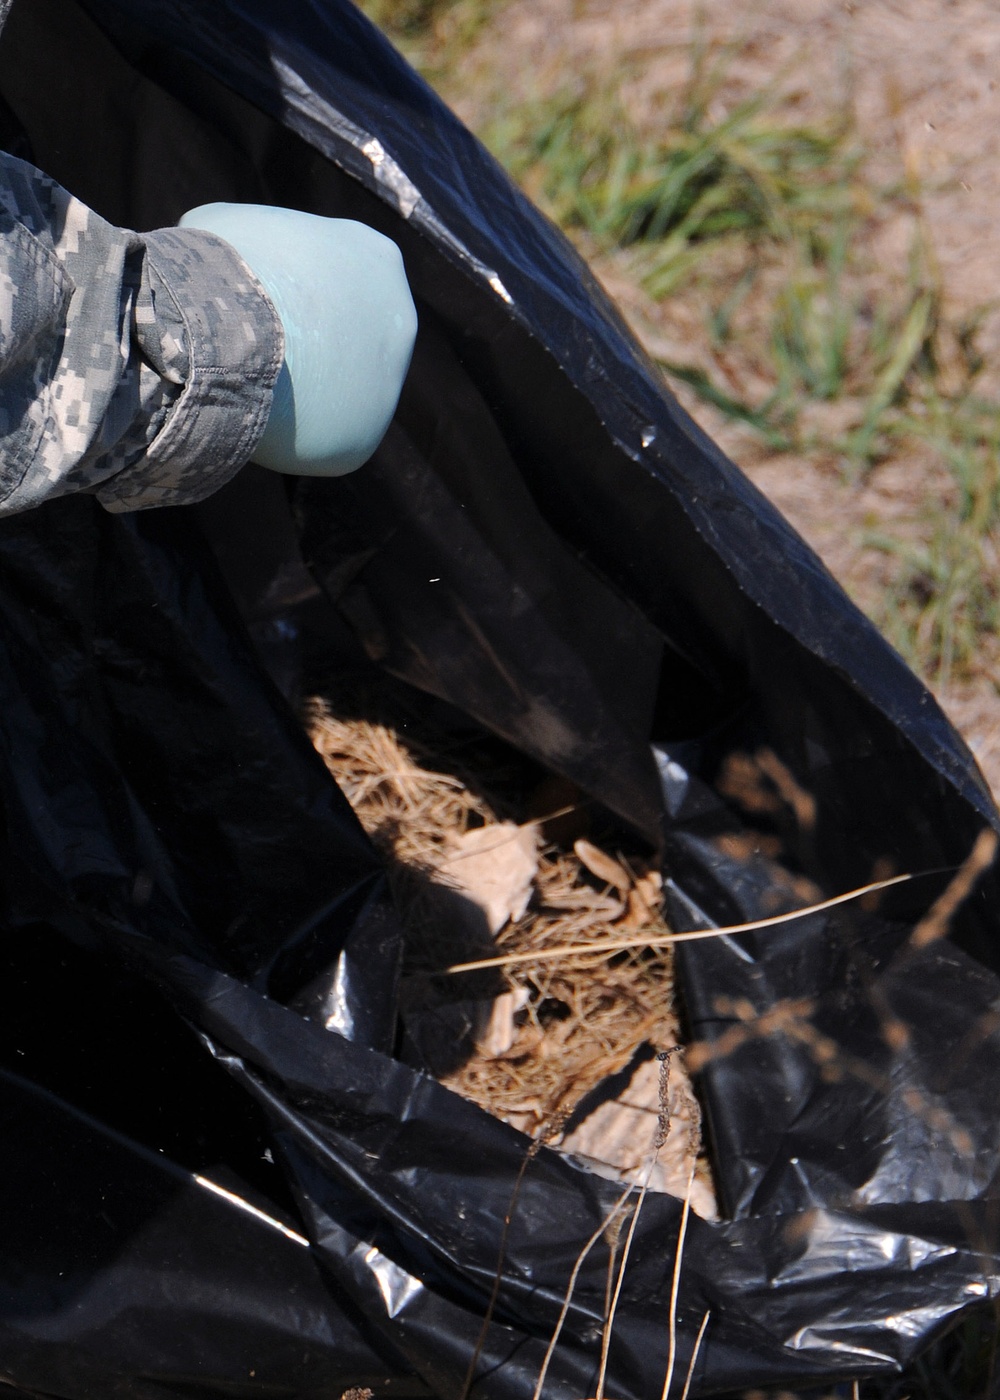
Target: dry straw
pixel 617 945
pixel 415 794
pixel 694 1356
pixel 601 1232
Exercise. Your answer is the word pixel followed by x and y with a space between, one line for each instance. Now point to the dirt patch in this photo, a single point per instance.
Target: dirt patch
pixel 922 78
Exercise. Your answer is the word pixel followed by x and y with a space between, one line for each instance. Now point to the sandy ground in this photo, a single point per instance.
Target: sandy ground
pixel 923 78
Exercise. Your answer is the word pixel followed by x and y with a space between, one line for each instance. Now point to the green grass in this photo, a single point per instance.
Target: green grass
pixel 947 599
pixel 767 223
pixel 721 202
pixel 700 179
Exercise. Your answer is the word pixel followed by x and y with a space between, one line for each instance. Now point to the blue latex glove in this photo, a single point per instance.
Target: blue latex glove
pixel 349 321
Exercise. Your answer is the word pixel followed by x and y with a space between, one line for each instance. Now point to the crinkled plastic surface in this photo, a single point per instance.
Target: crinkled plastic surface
pixel 223 1182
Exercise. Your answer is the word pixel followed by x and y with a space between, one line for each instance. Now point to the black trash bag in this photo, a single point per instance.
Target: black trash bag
pixel 218 1179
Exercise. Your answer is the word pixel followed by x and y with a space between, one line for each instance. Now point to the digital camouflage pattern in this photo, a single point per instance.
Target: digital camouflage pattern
pixel 138 367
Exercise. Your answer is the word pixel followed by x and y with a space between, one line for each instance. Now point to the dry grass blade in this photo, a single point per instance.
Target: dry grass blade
pixel 609 1321
pixel 675 1284
pixel 934 924
pixel 487 1322
pixel 581 1258
pixel 694 1357
pixel 605 867
pixel 616 945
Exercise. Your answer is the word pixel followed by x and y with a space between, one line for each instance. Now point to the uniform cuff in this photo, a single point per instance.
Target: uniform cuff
pixel 211 317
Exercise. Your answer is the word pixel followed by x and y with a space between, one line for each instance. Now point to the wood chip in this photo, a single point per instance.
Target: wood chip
pixel 618 1139
pixel 500 1032
pixel 599 906
pixel 495 867
pixel 605 867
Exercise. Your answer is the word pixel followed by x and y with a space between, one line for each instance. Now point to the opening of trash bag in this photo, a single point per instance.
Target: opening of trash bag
pixel 228 1179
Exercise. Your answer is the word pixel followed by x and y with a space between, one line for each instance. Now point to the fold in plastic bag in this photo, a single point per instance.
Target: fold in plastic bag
pixel 200 958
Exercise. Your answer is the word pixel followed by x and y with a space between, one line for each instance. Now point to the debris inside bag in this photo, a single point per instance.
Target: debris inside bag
pixel 619 1138
pixel 495 867
pixel 581 1054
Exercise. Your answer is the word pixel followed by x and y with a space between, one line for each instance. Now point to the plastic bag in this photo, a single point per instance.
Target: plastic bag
pixel 223 1182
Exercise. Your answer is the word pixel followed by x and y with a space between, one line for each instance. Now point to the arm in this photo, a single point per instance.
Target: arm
pixel 147 368
pixel 139 367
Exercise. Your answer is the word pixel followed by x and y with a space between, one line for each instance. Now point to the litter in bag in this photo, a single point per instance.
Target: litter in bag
pixel 219 1178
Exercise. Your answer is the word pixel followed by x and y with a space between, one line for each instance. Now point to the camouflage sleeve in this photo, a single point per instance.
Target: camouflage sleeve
pixel 138 367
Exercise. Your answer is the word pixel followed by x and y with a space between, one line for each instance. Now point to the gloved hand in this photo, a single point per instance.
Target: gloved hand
pixel 341 293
